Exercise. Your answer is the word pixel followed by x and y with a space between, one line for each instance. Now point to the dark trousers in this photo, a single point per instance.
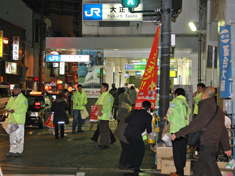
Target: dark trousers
pixel 104 132
pixel 97 133
pixel 57 126
pixel 124 153
pixel 207 163
pixel 179 154
pixel 115 109
pixel 136 154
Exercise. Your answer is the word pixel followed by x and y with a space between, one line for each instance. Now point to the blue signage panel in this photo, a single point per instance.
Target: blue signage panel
pixel 53 58
pixel 92 12
pixel 128 66
pixel 225 61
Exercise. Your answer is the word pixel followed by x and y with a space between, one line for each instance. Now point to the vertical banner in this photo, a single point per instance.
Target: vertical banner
pixel 148 86
pixel 16 46
pixel 62 68
pixel 225 61
pixel 1 43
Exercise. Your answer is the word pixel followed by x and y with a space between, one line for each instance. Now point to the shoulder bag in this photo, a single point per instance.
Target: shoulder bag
pixel 194 138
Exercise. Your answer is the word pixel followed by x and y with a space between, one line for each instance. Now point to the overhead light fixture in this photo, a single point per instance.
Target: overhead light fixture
pixel 135 60
pixel 192 26
pixel 115 49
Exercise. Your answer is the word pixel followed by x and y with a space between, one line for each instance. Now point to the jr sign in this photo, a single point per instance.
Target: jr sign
pixel 110 12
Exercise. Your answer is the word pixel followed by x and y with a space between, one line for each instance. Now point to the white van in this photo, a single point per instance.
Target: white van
pixel 5 94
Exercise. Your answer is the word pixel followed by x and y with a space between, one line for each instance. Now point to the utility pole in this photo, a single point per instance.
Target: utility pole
pixel 165 61
pixel 41 47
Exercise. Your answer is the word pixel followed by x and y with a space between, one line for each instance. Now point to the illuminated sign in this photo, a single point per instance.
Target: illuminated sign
pixel 1 43
pixel 11 68
pixel 16 45
pixel 62 68
pixel 110 12
pixel 68 58
pixel 173 74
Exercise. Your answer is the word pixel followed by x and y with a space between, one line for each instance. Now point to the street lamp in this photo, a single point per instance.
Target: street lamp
pixel 194 27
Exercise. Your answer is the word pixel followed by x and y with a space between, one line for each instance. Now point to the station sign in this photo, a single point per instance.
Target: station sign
pixel 1 43
pixel 110 12
pixel 16 45
pixel 68 58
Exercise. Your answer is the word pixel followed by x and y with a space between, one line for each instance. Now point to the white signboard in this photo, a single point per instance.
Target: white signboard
pixel 16 44
pixel 92 93
pixel 68 58
pixel 11 68
pixel 110 12
pixel 62 68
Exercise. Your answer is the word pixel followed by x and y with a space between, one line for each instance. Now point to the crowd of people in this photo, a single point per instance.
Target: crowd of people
pixel 131 123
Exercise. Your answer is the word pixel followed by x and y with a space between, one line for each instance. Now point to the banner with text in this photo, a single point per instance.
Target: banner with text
pixel 148 86
pixel 225 61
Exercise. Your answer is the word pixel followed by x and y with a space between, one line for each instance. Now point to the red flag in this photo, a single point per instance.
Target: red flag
pixel 148 86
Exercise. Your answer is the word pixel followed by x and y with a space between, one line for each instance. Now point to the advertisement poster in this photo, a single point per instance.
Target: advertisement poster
pixel 148 86
pixel 94 113
pixel 225 61
pixel 89 72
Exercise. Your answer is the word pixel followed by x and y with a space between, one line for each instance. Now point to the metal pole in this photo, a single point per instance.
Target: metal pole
pixel 41 47
pixel 165 62
pixel 199 57
pixel 213 65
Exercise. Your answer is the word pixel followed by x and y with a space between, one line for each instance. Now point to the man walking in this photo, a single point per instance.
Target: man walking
pixel 105 104
pixel 79 101
pixel 211 136
pixel 17 107
pixel 179 118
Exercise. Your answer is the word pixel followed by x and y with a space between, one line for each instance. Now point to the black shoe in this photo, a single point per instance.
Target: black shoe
pixel 80 131
pixel 136 170
pixel 56 137
pixel 93 140
pixel 112 142
pixel 104 147
pixel 10 154
pixel 99 146
pixel 17 155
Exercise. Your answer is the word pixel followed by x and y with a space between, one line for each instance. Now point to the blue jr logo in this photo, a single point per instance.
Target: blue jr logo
pixel 92 12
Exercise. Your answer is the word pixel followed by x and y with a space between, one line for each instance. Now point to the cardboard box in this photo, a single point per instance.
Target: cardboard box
pixel 164 152
pixel 225 172
pixel 168 166
pixel 159 163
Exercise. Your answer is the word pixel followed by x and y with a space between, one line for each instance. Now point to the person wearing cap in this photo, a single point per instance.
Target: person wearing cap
pixel 17 107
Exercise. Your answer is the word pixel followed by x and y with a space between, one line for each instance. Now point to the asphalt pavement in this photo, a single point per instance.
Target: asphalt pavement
pixel 75 154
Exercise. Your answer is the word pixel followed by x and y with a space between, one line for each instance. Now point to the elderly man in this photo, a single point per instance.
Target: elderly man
pixel 211 137
pixel 17 107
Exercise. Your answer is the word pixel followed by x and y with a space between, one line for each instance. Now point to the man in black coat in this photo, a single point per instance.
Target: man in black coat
pixel 138 122
pixel 59 108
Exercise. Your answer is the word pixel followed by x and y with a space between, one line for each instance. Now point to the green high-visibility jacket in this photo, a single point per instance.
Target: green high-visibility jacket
pixel 20 107
pixel 196 101
pixel 180 113
pixel 106 100
pixel 79 100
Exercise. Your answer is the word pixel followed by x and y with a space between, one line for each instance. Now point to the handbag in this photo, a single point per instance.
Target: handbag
pixel 84 113
pixel 125 105
pixel 194 138
pixel 166 136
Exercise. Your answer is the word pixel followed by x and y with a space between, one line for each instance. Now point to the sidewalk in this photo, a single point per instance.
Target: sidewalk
pixel 75 153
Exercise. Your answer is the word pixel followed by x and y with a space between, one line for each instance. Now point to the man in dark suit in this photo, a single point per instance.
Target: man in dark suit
pixel 138 122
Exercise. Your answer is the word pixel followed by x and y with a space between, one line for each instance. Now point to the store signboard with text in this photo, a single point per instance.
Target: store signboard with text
pixel 225 61
pixel 16 47
pixel 67 58
pixel 110 12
